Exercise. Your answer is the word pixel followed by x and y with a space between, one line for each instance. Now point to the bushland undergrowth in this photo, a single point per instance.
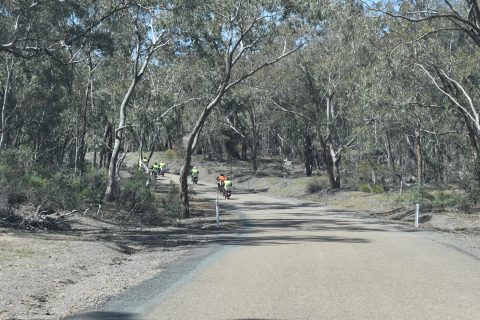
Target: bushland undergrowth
pixel 35 190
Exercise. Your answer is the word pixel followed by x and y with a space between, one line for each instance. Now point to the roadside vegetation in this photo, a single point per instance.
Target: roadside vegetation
pixel 39 197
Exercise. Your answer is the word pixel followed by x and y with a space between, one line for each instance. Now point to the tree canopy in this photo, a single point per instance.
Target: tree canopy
pixel 372 90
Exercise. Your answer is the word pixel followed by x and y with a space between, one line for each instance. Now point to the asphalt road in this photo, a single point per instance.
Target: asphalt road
pixel 302 261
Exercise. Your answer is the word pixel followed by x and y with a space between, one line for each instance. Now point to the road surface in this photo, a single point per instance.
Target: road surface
pixel 303 261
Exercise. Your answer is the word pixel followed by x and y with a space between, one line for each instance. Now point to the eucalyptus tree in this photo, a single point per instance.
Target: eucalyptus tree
pixel 34 28
pixel 6 88
pixel 149 35
pixel 448 59
pixel 320 86
pixel 63 35
pixel 246 116
pixel 234 32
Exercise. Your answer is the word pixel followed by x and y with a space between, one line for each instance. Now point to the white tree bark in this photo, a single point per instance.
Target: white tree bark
pixel 6 88
pixel 138 73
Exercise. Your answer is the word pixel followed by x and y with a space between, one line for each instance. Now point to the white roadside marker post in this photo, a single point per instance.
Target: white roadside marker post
pixel 217 212
pixel 417 214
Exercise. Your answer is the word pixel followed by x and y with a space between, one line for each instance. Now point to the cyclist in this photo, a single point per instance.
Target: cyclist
pixel 156 168
pixel 228 184
pixel 221 180
pixel 194 172
pixel 143 163
pixel 162 166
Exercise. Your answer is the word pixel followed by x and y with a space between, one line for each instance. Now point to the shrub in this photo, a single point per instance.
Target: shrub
pixel 474 195
pixel 34 181
pixel 314 186
pixel 418 194
pixel 13 167
pixel 56 189
pixel 134 195
pixel 94 186
pixel 470 201
pixel 46 186
pixel 443 199
pixel 170 201
pixel 377 188
pixel 365 188
pixel 374 188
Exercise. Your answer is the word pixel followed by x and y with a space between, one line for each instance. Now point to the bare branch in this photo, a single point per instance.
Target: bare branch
pixel 450 97
pixel 260 67
pixel 176 105
pixel 435 15
pixel 234 128
pixel 469 99
pixel 347 145
pixel 440 133
pixel 424 36
pixel 290 111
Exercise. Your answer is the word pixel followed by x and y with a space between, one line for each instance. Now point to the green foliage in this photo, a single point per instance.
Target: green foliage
pixel 372 188
pixel 49 187
pixel 55 189
pixel 134 196
pixel 434 197
pixel 140 204
pixel 170 201
pixel 474 195
pixel 365 188
pixel 444 199
pixel 470 201
pixel 375 99
pixel 364 170
pixel 94 185
pixel 413 196
pixel 35 181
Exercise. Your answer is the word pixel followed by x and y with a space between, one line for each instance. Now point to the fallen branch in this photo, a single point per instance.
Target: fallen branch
pixel 56 216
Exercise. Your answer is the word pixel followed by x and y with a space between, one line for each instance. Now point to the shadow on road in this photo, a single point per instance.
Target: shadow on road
pixel 287 216
pixel 105 315
pixel 283 240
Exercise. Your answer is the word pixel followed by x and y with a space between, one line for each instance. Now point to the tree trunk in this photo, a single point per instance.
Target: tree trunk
pixel 244 151
pixel 308 153
pixel 80 161
pixel 189 148
pixel 111 182
pixel 94 164
pixel 109 142
pixel 254 157
pixel 418 149
pixel 3 122
pixel 391 159
pixel 137 76
pixel 474 138
pixel 254 139
pixel 140 147
pixel 332 164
